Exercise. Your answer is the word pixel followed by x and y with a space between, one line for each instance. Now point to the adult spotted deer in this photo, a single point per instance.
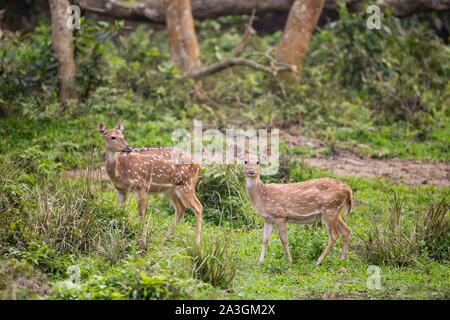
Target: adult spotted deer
pixel 303 202
pixel 152 170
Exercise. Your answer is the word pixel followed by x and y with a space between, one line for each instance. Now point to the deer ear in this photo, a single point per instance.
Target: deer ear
pixel 263 156
pixel 121 127
pixel 101 128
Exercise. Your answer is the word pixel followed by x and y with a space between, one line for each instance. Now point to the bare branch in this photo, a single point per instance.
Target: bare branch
pixel 249 32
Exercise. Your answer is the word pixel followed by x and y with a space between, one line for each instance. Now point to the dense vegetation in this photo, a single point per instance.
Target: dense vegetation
pixel 374 93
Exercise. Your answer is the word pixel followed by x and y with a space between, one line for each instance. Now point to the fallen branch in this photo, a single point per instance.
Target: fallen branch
pixel 153 10
pixel 274 68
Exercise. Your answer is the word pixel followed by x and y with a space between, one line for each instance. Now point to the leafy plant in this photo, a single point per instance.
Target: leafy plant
pixel 134 281
pixel 224 197
pixel 401 242
pixel 212 261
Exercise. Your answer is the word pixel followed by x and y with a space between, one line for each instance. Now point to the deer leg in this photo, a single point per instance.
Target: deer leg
pixel 142 197
pixel 189 199
pixel 122 196
pixel 281 225
pixel 268 227
pixel 330 223
pixel 345 231
pixel 180 209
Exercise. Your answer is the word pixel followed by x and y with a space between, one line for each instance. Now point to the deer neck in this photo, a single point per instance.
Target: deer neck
pixel 255 189
pixel 112 163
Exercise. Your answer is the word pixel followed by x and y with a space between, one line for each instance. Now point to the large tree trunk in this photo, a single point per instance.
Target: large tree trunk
pixel 301 22
pixel 62 40
pixel 183 40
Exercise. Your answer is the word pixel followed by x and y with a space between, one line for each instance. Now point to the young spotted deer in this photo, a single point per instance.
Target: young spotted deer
pixel 152 170
pixel 303 202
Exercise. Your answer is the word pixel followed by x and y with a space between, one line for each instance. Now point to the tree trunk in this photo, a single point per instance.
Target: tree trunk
pixel 301 22
pixel 183 40
pixel 62 41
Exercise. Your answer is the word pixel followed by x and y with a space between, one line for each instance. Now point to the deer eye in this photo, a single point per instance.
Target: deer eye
pixel 246 162
pixel 114 138
pixel 257 162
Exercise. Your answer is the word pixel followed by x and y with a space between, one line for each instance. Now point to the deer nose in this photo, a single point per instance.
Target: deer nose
pixel 127 149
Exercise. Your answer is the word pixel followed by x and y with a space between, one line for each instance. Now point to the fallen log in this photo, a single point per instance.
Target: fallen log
pixel 153 10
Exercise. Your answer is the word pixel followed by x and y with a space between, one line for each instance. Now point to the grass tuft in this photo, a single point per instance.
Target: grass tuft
pixel 212 262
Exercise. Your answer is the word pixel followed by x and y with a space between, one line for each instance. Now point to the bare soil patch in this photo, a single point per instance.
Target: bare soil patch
pixel 412 172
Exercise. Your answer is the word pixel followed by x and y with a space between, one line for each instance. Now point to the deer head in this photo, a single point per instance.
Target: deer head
pixel 252 164
pixel 114 138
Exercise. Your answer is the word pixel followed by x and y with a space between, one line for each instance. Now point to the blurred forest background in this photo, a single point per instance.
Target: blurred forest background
pixel 369 106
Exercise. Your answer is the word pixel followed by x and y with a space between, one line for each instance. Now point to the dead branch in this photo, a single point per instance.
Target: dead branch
pixel 274 68
pixel 249 32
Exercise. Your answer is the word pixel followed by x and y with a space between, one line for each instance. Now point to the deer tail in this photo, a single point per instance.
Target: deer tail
pixel 349 200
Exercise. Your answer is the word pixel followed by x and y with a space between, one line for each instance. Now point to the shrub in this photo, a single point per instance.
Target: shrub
pixel 27 67
pixel 68 215
pixel 19 280
pixel 212 261
pixel 401 241
pixel 133 281
pixel 435 228
pixel 224 197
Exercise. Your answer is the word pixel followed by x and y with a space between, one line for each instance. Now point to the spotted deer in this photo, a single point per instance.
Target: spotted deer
pixel 152 170
pixel 302 203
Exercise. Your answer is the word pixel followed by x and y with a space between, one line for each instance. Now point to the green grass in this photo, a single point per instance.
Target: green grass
pixel 164 269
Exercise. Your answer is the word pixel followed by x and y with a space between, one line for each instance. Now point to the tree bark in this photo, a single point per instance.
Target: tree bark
pixel 62 41
pixel 301 23
pixel 183 40
pixel 153 10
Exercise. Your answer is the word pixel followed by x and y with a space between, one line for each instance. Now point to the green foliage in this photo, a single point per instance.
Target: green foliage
pixel 27 66
pixel 212 261
pixel 435 229
pixel 224 197
pixel 28 69
pixel 19 280
pixel 135 281
pixel 91 43
pixel 68 216
pixel 401 241
pixel 396 75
